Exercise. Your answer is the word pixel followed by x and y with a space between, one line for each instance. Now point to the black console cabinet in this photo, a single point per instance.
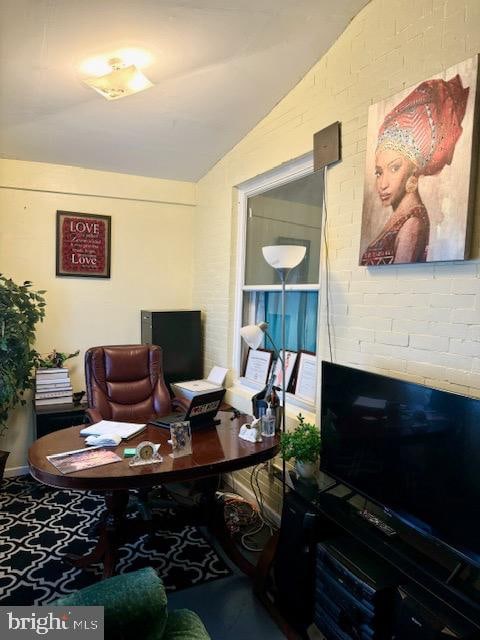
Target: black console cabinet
pixel 49 418
pixel 448 587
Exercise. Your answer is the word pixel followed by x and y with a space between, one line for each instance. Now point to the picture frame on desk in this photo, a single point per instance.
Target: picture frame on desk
pixel 258 365
pixel 83 245
pixel 306 381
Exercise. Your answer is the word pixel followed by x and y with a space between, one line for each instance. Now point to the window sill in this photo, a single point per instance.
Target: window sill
pixel 239 395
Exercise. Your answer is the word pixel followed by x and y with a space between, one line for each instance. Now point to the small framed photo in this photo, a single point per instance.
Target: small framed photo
pixel 181 437
pixel 306 387
pixel 83 245
pixel 290 361
pixel 258 365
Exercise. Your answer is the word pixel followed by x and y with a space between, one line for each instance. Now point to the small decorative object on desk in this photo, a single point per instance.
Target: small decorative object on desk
pixel 251 432
pixel 146 453
pixel 303 444
pixel 181 439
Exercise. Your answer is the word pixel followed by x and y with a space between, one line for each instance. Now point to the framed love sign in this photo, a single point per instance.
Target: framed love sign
pixel 83 245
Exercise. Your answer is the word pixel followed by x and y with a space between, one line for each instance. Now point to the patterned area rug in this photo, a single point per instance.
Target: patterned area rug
pixel 38 524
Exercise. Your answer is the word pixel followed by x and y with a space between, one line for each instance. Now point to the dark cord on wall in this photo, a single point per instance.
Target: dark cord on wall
pixel 327 263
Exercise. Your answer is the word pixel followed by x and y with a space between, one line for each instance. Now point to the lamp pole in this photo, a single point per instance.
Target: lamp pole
pixel 283 258
pixel 283 277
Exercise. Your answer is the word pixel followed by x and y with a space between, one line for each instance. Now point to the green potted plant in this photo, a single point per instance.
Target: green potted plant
pixel 55 359
pixel 20 310
pixel 303 444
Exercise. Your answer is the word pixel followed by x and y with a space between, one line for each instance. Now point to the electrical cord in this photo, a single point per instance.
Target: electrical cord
pixel 254 476
pixel 327 262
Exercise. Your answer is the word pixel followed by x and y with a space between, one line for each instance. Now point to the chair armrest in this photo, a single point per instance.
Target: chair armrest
pixel 183 624
pixel 134 603
pixel 92 415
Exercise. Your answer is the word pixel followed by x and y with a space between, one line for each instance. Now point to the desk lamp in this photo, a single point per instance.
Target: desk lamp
pixel 283 258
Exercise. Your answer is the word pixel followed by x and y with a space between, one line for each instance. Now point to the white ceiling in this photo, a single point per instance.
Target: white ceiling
pixel 218 67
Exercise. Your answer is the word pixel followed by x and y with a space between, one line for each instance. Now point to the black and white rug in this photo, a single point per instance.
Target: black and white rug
pixel 39 524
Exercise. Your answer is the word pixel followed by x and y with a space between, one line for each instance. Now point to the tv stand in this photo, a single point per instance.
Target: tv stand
pixel 419 562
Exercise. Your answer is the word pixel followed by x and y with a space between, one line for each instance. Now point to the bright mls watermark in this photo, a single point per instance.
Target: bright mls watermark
pixel 82 623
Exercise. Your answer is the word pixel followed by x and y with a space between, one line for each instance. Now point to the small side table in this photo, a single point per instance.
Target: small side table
pixel 52 417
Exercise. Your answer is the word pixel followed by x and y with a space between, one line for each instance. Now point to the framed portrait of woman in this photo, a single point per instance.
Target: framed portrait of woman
pixel 420 171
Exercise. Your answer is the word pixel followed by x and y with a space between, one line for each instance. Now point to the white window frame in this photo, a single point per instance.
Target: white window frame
pixel 288 172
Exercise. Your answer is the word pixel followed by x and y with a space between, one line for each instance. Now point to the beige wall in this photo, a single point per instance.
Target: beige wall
pixel 151 266
pixel 421 322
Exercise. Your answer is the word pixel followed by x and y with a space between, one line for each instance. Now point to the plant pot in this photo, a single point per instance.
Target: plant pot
pixel 306 469
pixel 3 461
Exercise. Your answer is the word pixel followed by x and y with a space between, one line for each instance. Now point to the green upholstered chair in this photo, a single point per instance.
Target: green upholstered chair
pixel 135 606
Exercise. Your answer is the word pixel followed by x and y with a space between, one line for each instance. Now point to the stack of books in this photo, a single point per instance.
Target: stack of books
pixel 53 386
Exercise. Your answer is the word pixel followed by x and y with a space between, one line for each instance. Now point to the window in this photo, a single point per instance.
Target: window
pixel 284 207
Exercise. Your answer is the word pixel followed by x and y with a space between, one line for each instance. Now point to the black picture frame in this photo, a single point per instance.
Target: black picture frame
pixel 267 365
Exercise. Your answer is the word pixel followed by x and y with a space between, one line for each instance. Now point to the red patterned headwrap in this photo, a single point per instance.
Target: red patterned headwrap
pixel 426 125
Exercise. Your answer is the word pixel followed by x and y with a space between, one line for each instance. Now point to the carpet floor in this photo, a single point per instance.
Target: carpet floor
pixel 39 524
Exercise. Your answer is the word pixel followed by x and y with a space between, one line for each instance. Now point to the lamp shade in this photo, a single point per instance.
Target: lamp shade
pixel 253 334
pixel 284 256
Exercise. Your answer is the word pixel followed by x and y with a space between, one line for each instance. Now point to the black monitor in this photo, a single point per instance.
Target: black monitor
pixel 412 449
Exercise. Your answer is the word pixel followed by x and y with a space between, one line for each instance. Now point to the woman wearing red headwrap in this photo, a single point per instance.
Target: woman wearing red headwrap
pixel 417 138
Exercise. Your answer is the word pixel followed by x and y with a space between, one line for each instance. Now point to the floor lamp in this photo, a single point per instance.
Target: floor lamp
pixel 283 258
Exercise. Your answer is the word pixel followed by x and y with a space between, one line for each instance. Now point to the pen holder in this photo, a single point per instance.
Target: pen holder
pixel 259 407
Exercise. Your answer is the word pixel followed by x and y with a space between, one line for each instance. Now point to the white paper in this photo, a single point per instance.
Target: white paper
pixel 258 364
pixel 197 385
pixel 307 377
pixel 106 427
pixel 217 375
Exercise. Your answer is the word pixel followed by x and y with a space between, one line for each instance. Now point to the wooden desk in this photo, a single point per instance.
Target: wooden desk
pixel 216 450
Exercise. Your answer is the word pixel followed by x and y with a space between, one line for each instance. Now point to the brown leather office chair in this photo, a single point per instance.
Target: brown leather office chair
pixel 125 383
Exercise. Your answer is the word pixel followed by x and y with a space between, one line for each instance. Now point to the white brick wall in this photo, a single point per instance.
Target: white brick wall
pixel 420 322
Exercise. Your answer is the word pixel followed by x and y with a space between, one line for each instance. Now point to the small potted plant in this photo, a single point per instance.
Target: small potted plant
pixel 303 445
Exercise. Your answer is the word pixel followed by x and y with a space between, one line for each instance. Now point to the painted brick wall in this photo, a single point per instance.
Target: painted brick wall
pixel 420 322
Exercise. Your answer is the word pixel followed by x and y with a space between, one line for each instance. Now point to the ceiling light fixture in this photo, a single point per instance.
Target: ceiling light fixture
pixel 122 80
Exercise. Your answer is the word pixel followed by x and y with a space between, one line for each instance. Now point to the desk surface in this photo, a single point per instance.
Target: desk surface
pixel 215 450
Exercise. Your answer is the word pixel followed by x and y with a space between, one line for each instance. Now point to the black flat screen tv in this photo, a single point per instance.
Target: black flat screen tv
pixel 411 449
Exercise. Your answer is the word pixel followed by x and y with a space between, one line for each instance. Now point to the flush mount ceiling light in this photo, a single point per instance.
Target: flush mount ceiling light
pixel 123 80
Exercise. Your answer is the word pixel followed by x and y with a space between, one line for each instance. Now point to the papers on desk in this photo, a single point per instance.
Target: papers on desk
pixel 108 427
pixel 81 459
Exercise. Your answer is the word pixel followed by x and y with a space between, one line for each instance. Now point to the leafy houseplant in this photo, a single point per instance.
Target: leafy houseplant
pixel 20 310
pixel 303 444
pixel 55 359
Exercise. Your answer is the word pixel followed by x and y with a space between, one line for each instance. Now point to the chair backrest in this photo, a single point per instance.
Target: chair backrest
pixel 125 382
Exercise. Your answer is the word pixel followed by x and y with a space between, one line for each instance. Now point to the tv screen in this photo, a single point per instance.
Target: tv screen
pixel 411 449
